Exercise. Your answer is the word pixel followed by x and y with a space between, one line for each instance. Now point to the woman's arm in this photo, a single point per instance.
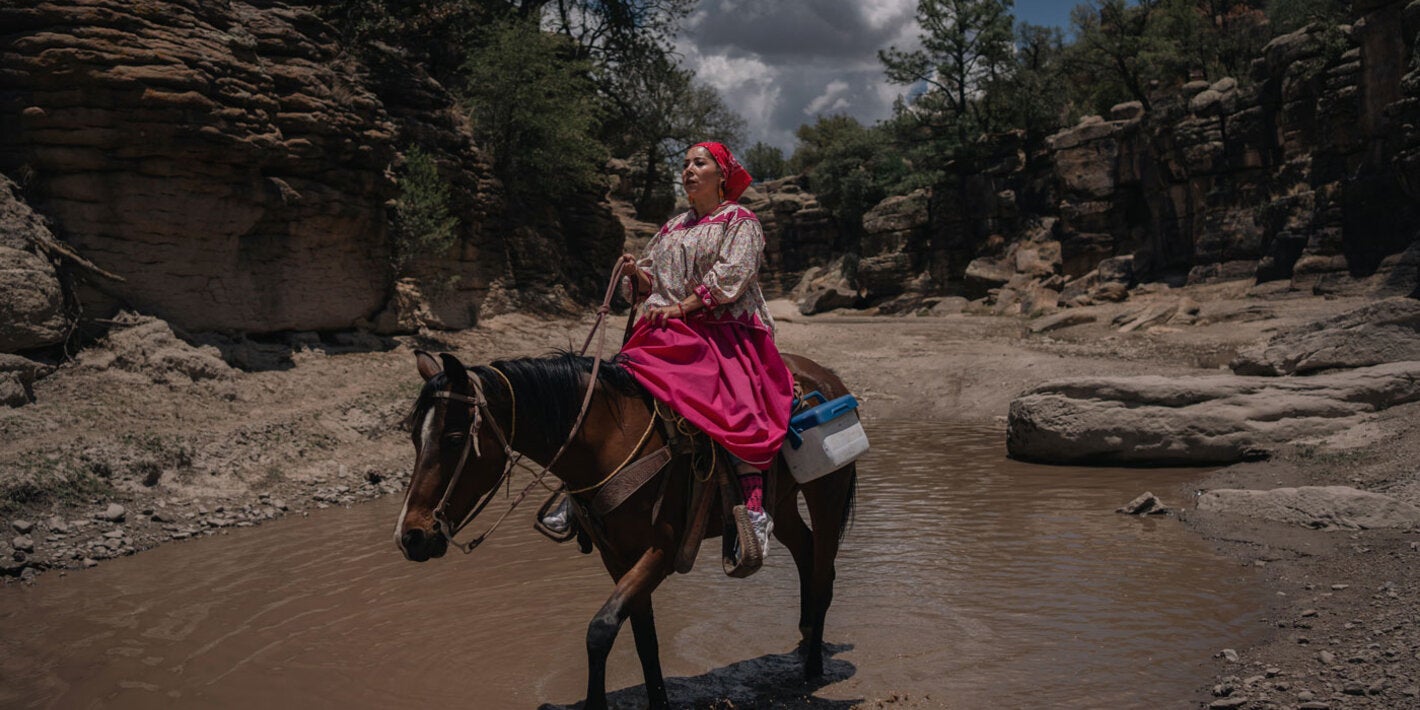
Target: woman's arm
pixel 736 265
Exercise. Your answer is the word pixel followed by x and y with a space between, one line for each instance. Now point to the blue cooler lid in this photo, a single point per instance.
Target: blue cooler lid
pixel 823 413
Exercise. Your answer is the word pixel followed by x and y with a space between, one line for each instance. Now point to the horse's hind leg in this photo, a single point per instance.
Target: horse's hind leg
pixel 790 530
pixel 827 499
pixel 632 589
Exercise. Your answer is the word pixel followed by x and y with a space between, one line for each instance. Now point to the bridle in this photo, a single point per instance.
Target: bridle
pixel 480 409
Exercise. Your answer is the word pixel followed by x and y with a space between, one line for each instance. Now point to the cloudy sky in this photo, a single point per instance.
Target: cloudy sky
pixel 781 64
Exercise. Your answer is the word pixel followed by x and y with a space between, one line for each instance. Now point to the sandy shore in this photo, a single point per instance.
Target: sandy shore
pixel 112 459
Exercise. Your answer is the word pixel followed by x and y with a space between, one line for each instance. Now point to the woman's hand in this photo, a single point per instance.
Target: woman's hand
pixel 660 315
pixel 628 266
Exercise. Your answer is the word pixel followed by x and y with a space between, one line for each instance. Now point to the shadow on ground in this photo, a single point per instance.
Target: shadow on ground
pixel 770 681
pixel 275 351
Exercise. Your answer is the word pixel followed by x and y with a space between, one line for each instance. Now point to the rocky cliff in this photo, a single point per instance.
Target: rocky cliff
pixel 233 165
pixel 1304 175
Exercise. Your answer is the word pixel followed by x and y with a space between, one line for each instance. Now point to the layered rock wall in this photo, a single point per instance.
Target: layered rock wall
pixel 799 233
pixel 218 155
pixel 1305 172
pixel 235 166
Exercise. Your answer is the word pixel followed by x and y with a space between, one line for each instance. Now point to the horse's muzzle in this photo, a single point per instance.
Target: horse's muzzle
pixel 420 546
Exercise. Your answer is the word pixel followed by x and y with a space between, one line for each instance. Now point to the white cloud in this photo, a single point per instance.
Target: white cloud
pixel 831 99
pixel 881 13
pixel 780 65
pixel 749 87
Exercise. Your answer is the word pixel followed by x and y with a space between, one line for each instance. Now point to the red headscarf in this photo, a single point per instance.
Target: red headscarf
pixel 736 177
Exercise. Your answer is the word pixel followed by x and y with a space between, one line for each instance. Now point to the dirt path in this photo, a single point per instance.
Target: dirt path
pixel 110 461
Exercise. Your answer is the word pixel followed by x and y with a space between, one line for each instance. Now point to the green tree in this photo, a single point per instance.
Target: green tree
pixel 1290 15
pixel 1028 97
pixel 765 162
pixel 534 107
pixel 658 111
pixel 434 34
pixel 1116 56
pixel 849 167
pixel 966 45
pixel 423 227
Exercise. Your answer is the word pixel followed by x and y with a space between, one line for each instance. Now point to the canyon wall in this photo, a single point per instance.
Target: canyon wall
pixel 235 168
pixel 1304 175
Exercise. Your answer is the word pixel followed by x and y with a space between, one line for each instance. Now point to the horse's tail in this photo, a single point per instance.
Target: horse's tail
pixel 850 506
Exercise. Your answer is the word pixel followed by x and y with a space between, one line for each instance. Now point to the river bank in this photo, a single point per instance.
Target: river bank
pixel 132 446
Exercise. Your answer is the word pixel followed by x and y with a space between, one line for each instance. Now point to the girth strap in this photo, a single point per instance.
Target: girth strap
pixel 625 484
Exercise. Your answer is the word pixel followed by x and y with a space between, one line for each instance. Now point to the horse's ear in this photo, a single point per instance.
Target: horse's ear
pixel 455 370
pixel 428 367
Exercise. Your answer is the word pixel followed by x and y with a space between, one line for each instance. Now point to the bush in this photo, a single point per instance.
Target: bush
pixel 423 226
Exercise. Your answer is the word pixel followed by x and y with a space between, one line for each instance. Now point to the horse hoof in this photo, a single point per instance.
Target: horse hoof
pixel 813 671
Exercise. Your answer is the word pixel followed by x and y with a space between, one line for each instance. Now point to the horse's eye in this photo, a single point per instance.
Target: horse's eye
pixel 455 439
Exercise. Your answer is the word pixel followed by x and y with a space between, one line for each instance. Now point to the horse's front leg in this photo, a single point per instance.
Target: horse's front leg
pixel 632 593
pixel 648 649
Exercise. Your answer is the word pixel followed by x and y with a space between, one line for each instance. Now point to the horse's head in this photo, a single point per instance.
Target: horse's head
pixel 449 431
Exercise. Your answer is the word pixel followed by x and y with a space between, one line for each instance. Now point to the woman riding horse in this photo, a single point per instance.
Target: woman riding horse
pixel 705 342
pixel 705 345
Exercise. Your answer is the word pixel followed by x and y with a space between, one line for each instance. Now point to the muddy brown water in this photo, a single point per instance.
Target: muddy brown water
pixel 968 580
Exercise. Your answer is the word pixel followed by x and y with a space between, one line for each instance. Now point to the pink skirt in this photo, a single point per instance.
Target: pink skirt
pixel 725 377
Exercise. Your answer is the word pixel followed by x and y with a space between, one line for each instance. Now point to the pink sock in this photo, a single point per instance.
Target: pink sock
pixel 753 486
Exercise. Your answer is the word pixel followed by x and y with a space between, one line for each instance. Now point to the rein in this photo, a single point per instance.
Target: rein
pixel 478 403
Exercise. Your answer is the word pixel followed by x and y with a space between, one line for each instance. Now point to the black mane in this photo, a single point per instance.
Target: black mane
pixel 549 391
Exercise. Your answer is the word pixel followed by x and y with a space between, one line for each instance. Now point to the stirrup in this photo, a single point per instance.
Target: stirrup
pixel 555 520
pixel 743 552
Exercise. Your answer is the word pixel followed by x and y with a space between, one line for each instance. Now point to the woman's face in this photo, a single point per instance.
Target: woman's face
pixel 700 176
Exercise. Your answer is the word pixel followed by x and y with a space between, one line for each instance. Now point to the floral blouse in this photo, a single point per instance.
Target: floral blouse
pixel 716 258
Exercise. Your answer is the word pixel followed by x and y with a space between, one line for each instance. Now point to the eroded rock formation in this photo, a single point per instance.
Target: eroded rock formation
pixel 1320 507
pixel 220 156
pixel 235 166
pixel 1156 420
pixel 1384 331
pixel 1303 172
pixel 32 313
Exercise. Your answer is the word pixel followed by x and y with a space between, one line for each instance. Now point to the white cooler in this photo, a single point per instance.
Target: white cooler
pixel 825 438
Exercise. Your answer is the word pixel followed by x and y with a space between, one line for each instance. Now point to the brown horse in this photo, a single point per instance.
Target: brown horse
pixel 534 404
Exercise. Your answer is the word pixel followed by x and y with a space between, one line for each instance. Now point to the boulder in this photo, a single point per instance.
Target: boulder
pixel 1037 299
pixel 148 346
pixel 1379 332
pixel 827 299
pixel 1064 319
pixel 949 306
pixel 1117 269
pixel 1145 504
pixel 1038 260
pixel 13 392
pixel 31 298
pixel 1161 421
pixel 985 273
pixel 1111 291
pixel 1398 275
pixel 17 377
pixel 1152 315
pixel 825 288
pixel 1127 111
pixel 1324 507
pixel 1085 157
